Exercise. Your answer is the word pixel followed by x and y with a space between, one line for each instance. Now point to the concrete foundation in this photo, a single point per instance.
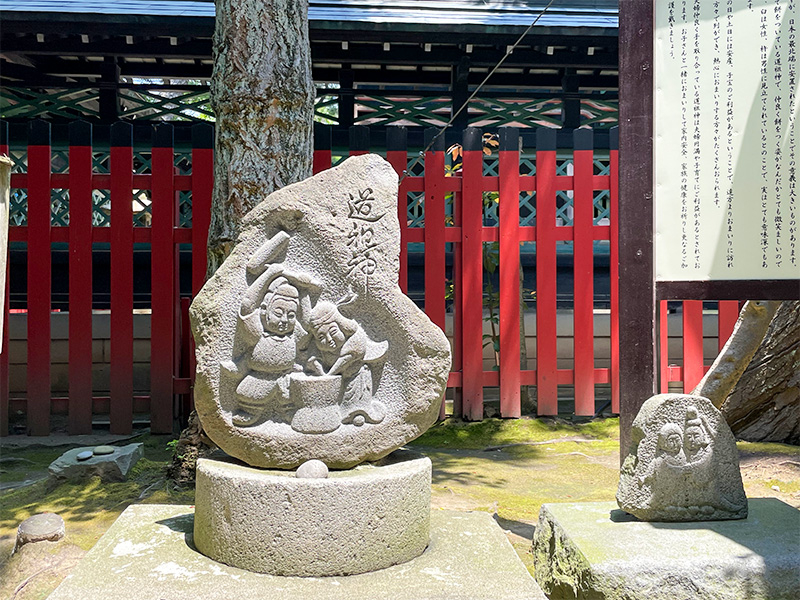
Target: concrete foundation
pixel 354 521
pixel 148 554
pixel 594 551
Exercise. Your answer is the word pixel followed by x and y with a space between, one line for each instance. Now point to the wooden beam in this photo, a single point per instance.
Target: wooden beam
pixel 637 335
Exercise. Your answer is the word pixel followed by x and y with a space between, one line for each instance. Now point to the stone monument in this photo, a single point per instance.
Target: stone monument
pixel 307 350
pixel 686 528
pixel 313 369
pixel 683 464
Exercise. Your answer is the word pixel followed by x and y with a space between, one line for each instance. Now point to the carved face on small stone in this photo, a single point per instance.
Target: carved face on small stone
pixel 306 347
pixel 683 464
pixel 669 439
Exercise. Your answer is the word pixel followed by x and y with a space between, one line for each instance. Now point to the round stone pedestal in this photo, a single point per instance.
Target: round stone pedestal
pixel 355 521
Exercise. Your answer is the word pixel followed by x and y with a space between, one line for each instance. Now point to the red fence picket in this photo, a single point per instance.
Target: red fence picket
pixel 471 279
pixel 163 270
pixel 121 171
pixel 38 375
pixel 510 313
pixel 583 266
pixel 546 275
pixel 80 278
pixel 397 155
pixel 460 237
pixel 202 185
pixel 692 367
pixel 163 236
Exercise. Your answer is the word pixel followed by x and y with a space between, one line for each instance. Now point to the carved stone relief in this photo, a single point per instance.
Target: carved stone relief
pixel 306 347
pixel 683 464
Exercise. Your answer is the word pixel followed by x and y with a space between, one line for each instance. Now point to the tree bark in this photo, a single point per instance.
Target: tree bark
pixel 747 336
pixel 263 93
pixel 765 404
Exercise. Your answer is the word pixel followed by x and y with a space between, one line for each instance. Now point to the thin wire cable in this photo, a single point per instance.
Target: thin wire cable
pixel 508 53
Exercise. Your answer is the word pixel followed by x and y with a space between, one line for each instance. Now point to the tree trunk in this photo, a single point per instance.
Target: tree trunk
pixel 748 335
pixel 263 94
pixel 263 97
pixel 765 404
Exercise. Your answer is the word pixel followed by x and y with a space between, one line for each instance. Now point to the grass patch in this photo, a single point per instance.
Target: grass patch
pixel 767 448
pixel 16 465
pixel 454 433
pixel 88 507
pixel 787 487
pixel 515 487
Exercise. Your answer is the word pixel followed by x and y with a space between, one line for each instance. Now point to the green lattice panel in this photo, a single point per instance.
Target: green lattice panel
pixel 494 112
pixel 602 166
pixel 185 209
pixel 416 165
pixel 564 198
pixel 527 209
pixel 66 103
pixel 59 198
pixel 101 208
pixel 101 199
pixel 18 199
pixel 599 114
pixel 141 202
pixel 386 110
pixel 416 209
pixel 491 164
pixel 166 104
pixel 326 109
pixel 527 199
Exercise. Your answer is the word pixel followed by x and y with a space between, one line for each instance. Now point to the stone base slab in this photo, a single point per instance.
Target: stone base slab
pixel 148 554
pixel 594 551
pixel 354 521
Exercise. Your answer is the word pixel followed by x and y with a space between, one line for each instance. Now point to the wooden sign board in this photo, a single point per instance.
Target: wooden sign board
pixel 726 143
pixel 708 150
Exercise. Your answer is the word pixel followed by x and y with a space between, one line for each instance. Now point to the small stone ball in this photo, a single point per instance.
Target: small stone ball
pixel 85 455
pixel 102 450
pixel 40 528
pixel 359 420
pixel 312 469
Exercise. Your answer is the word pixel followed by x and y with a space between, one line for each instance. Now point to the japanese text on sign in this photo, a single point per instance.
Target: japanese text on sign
pixel 725 144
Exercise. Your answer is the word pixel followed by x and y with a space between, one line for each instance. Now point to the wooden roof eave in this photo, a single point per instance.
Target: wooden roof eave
pixel 194 26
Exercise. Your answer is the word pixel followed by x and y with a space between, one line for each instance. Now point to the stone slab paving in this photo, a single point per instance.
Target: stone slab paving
pixel 147 555
pixel 593 550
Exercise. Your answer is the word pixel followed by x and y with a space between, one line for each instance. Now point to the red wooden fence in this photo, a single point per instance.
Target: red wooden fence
pixel 467 233
pixel 163 236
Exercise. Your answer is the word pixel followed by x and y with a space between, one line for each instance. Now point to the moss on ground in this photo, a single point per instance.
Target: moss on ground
pixel 767 448
pixel 453 433
pixel 17 465
pixel 88 507
pixel 506 467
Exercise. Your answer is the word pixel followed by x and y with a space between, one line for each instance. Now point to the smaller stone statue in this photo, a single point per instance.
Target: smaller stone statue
pixel 683 464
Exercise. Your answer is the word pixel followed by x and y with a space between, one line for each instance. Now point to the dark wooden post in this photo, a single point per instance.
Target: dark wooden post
pixel 109 91
pixel 571 113
pixel 459 87
pixel 346 98
pixel 636 290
